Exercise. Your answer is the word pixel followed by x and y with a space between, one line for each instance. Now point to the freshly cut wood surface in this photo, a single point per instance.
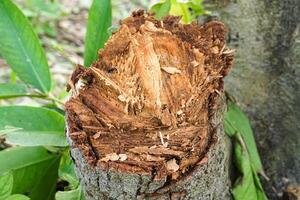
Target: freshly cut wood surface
pixel 146 105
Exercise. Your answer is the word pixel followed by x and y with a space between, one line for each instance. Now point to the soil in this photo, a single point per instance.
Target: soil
pixel 145 105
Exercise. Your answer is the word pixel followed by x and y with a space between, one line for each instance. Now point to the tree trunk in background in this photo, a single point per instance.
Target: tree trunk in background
pixel 266 79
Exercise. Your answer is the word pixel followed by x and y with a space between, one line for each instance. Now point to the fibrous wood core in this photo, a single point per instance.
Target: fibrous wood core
pixel 145 105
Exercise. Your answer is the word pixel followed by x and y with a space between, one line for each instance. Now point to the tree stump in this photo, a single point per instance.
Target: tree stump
pixel 145 120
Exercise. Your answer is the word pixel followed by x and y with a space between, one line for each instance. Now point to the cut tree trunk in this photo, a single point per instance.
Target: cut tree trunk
pixel 145 120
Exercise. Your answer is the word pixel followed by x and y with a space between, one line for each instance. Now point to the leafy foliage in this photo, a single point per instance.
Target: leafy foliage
pixel 20 47
pixel 246 157
pixel 44 127
pixel 237 122
pixel 34 170
pixel 189 10
pixel 99 21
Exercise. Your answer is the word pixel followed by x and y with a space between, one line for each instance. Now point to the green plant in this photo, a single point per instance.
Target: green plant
pixel 246 157
pixel 189 10
pixel 38 157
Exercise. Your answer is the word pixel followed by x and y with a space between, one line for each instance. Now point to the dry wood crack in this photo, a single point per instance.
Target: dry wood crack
pixel 147 102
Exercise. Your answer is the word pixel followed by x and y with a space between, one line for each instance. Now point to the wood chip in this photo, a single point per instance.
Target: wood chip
pixel 228 51
pixel 122 98
pixel 110 157
pixel 123 157
pixel 171 70
pixel 172 165
pixel 214 50
pixel 97 135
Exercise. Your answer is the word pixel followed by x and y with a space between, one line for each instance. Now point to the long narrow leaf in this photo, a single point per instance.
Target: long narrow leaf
pixel 237 121
pixel 20 47
pixel 244 187
pixel 11 90
pixel 99 20
pixel 34 171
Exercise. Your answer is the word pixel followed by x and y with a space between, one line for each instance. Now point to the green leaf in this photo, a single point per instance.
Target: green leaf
pixel 99 21
pixel 244 188
pixel 36 138
pixel 66 170
pixel 6 185
pixel 161 9
pixel 33 126
pixel 259 189
pixel 11 90
pixel 20 47
pixel 70 195
pixel 18 197
pixel 181 9
pixel 237 122
pixel 34 171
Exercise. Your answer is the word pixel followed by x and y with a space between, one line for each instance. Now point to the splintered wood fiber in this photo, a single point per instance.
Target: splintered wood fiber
pixel 145 105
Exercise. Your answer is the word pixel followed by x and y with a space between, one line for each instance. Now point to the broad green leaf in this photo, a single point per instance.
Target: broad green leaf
pixel 37 126
pixel 181 9
pixel 36 138
pixel 99 21
pixel 66 170
pixel 18 197
pixel 6 185
pixel 34 171
pixel 189 11
pixel 244 187
pixel 237 122
pixel 11 90
pixel 161 9
pixel 20 47
pixel 70 195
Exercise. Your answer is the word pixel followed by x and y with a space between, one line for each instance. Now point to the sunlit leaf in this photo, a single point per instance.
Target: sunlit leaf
pixel 99 21
pixel 21 49
pixel 161 9
pixel 189 11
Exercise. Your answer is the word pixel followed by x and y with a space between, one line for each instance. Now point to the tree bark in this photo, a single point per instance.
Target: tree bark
pixel 266 81
pixel 147 122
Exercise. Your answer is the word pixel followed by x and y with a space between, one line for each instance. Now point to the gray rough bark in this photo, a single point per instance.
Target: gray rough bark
pixel 266 79
pixel 209 180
